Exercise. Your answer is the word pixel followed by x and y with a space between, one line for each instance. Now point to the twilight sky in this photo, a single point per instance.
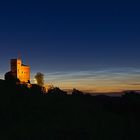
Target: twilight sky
pixel 86 44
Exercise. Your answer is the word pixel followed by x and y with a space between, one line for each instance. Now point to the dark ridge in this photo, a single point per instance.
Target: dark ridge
pixel 31 114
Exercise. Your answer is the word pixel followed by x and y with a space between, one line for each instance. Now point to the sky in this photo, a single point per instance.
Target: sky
pixel 86 44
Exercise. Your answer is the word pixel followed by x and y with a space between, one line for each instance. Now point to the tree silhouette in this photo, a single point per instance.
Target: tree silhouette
pixel 11 79
pixel 40 79
pixel 76 92
pixel 56 91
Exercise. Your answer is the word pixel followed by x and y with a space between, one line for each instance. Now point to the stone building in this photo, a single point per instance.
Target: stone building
pixel 20 71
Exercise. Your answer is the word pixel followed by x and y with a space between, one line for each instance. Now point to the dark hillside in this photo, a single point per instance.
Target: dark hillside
pixel 28 114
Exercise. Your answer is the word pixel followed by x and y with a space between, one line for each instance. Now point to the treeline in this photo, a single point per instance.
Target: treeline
pixel 30 114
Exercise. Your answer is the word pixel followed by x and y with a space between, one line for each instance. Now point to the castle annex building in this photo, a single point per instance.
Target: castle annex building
pixel 20 71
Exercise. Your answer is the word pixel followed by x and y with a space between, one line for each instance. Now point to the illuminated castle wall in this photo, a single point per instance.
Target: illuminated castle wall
pixel 20 71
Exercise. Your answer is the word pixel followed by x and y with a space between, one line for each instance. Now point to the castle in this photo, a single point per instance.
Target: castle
pixel 20 71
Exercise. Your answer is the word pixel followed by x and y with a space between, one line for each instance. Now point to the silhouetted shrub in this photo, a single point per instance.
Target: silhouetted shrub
pixel 56 91
pixel 11 79
pixel 76 92
pixel 36 89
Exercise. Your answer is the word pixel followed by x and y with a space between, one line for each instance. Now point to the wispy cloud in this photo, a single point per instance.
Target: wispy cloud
pixel 112 78
pixel 135 84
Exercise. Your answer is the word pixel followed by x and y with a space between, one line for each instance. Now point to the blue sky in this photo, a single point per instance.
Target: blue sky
pixel 73 40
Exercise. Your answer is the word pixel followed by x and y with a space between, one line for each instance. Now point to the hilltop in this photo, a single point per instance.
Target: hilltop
pixel 29 114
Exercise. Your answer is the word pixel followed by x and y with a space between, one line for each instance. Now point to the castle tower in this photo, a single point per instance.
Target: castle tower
pixel 20 71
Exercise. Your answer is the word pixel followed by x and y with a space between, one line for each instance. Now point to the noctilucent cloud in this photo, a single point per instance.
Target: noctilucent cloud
pixel 89 45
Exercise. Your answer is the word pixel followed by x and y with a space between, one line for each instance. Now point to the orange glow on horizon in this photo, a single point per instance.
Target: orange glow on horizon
pixel 97 88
